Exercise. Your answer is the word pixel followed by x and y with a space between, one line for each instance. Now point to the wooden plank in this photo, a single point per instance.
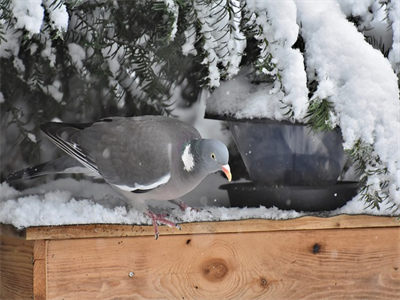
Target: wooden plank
pixel 16 269
pixel 312 264
pixel 39 270
pixel 252 225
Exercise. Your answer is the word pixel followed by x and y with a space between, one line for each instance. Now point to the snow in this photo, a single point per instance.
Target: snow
pixel 32 137
pixel 374 22
pixel 29 14
pixel 355 7
pixel 363 86
pixel 68 201
pixel 1 98
pixel 58 14
pixel 240 98
pixel 190 39
pixel 224 43
pixel 77 54
pixel 33 48
pixel 53 90
pixel 174 10
pixel 280 29
pixel 19 65
pixel 49 52
pixel 10 46
pixel 394 16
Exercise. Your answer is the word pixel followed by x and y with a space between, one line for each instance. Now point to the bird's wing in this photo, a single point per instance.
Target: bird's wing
pixel 135 154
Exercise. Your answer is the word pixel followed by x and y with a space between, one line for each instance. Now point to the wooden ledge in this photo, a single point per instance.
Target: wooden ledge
pixel 251 225
pixel 339 257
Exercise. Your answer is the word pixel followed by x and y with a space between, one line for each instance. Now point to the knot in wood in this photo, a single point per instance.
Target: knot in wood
pixel 215 269
pixel 263 282
pixel 316 248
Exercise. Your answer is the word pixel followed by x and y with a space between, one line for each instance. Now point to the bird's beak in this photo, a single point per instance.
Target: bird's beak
pixel 227 170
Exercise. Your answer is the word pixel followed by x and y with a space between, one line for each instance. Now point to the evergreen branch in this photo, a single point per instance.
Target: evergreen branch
pixel 318 114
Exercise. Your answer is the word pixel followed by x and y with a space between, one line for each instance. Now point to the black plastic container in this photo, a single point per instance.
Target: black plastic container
pixel 284 153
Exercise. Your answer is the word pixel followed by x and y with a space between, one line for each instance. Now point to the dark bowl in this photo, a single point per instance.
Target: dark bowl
pixel 283 153
pixel 299 198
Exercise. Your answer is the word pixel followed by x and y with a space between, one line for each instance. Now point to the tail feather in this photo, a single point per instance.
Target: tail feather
pixel 63 164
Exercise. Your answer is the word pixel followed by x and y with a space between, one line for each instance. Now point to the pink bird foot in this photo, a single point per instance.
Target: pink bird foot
pixel 160 218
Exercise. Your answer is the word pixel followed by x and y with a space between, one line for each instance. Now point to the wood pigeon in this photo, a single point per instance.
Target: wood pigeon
pixel 144 158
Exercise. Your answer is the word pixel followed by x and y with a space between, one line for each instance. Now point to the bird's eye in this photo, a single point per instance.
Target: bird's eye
pixel 213 156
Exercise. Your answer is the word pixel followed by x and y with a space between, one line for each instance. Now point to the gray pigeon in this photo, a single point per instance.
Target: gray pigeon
pixel 144 158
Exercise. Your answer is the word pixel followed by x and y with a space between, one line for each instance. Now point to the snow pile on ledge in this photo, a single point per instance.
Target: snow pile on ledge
pixel 67 201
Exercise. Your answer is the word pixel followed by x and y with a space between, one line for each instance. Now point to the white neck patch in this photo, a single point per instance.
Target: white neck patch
pixel 188 159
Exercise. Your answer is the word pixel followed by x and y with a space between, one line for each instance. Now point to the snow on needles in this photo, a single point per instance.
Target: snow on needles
pixel 29 14
pixel 224 43
pixel 242 99
pixel 77 54
pixel 174 10
pixel 57 13
pixel 278 22
pixel 363 86
pixel 355 7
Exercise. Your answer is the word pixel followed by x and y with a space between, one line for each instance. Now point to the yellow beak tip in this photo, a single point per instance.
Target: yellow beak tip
pixel 227 171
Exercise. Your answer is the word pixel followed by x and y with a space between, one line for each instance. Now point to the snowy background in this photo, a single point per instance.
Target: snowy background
pixel 342 52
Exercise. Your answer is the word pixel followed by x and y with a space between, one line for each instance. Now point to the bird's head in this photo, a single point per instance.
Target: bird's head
pixel 211 155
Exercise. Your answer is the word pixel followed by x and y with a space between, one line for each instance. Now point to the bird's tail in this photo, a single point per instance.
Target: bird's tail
pixel 63 164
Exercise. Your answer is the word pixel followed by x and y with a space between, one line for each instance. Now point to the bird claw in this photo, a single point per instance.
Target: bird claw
pixel 161 219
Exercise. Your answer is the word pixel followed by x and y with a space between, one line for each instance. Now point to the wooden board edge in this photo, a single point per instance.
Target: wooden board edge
pixel 40 270
pixel 248 225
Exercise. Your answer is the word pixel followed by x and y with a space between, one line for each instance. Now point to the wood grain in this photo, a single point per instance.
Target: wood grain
pixel 252 225
pixel 16 268
pixel 301 264
pixel 39 269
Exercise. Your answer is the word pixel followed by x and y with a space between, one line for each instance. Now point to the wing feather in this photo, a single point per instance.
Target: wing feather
pixel 55 131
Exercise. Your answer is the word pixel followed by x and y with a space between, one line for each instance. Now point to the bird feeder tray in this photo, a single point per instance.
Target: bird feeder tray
pixel 299 198
pixel 340 257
